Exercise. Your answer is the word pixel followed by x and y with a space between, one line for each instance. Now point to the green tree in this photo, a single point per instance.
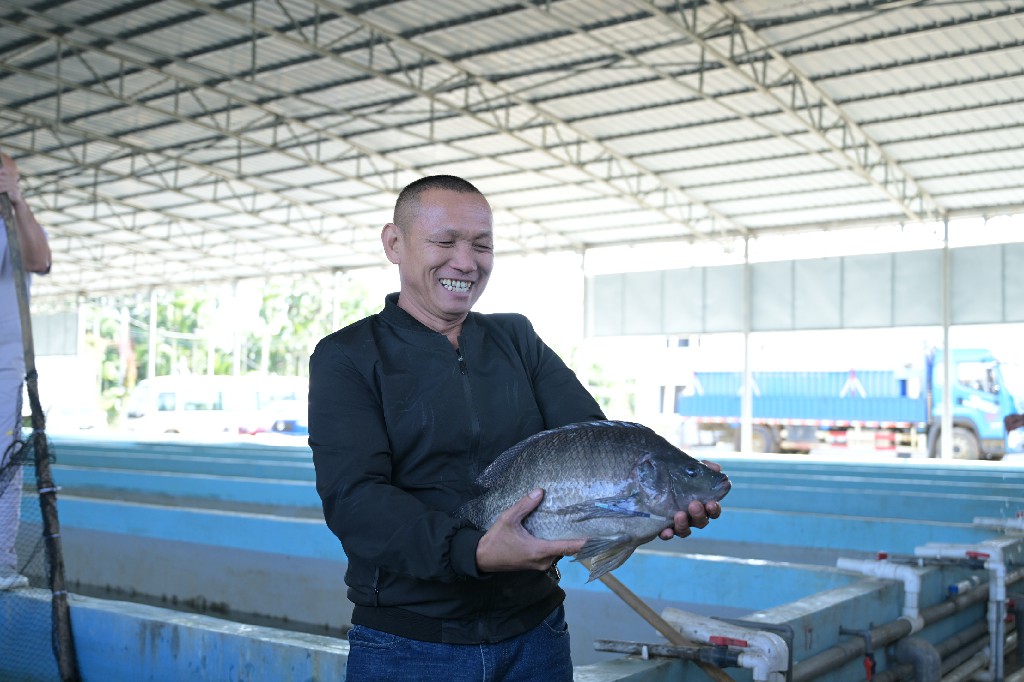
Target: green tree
pixel 295 314
pixel 274 324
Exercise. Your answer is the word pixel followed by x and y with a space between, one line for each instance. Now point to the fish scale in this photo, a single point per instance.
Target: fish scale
pixel 616 483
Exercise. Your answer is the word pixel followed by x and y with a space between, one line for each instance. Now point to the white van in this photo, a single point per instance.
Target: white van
pixel 206 405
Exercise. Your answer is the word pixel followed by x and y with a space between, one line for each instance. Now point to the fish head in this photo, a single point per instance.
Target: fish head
pixel 669 481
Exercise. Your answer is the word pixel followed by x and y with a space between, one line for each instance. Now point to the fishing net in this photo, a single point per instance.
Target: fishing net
pixel 27 565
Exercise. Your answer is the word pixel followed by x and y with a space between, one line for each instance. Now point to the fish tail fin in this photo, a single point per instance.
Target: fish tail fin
pixel 605 555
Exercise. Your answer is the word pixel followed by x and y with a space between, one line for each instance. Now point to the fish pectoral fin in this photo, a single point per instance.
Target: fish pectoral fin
pixel 608 507
pixel 606 554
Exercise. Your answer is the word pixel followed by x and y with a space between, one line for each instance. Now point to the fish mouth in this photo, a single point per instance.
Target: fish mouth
pixel 458 286
pixel 713 494
pixel 722 488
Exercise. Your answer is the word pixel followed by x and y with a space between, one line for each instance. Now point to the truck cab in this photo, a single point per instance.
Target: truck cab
pixel 985 390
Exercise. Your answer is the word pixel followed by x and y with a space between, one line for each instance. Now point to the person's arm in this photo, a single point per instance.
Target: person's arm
pixel 561 397
pixel 375 520
pixel 35 249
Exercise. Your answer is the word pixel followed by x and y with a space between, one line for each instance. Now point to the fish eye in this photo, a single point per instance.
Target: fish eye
pixel 692 470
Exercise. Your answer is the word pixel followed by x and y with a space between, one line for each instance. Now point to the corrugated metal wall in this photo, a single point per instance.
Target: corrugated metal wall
pixel 850 292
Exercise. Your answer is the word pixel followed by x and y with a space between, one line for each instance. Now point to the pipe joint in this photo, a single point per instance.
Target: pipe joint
pixel 916 623
pixel 909 575
pixel 765 654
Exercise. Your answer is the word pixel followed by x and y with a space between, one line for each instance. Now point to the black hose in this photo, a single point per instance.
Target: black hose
pixel 1018 619
pixel 975 635
pixel 924 658
pixel 828 660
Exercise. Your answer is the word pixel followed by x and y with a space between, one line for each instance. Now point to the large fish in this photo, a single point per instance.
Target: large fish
pixel 619 484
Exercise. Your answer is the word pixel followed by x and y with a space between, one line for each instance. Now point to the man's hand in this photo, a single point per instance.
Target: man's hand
pixel 508 546
pixel 35 249
pixel 9 178
pixel 697 515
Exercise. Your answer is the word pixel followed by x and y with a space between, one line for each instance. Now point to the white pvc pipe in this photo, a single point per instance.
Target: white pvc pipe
pixel 907 574
pixel 992 553
pixel 997 613
pixel 964 585
pixel 765 654
pixel 999 523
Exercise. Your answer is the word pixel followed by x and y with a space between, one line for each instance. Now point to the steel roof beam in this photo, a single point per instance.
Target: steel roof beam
pixel 803 101
pixel 473 96
pixel 164 178
pixel 275 121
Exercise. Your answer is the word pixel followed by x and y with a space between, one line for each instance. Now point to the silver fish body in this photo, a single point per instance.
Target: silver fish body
pixel 618 484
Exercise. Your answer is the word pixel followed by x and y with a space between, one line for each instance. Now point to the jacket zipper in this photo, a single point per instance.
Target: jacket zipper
pixel 376 585
pixel 467 389
pixel 486 604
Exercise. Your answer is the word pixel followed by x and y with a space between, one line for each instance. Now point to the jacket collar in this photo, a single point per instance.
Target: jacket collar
pixel 394 315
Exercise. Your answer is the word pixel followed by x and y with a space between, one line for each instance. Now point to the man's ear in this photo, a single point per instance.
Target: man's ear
pixel 390 237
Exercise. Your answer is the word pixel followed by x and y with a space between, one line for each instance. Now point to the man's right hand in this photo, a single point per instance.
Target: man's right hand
pixel 508 546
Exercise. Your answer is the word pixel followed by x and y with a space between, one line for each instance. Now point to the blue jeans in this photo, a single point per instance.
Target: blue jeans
pixel 540 654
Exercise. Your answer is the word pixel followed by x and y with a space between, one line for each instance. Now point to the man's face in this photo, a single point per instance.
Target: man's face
pixel 444 255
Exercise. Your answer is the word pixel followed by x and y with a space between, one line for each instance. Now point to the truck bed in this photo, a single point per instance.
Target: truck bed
pixel 863 397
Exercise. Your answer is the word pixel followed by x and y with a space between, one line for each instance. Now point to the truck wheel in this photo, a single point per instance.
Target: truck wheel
pixel 761 440
pixel 965 444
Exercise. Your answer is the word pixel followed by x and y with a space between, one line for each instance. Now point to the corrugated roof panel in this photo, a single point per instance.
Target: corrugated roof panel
pixel 572 115
pixel 968 181
pixel 726 155
pixel 551 194
pixel 770 203
pixel 980 201
pixel 975 158
pixel 640 116
pixel 880 212
pixel 951 123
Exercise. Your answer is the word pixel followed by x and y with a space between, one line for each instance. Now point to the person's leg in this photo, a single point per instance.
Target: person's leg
pixel 376 656
pixel 541 654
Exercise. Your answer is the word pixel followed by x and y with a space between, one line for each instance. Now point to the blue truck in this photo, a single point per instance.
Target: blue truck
pixel 884 409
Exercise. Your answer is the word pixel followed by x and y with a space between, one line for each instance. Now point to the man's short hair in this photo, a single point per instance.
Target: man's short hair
pixel 405 205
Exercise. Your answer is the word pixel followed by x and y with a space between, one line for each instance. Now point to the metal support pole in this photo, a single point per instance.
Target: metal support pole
pixel 747 398
pixel 151 360
pixel 947 364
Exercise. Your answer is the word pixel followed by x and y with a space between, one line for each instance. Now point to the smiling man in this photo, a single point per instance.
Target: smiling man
pixel 442 241
pixel 406 408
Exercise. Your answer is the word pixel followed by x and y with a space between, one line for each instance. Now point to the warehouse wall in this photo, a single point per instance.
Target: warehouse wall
pixel 852 292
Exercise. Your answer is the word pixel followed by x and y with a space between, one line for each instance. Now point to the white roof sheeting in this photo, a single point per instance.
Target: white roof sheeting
pixel 181 141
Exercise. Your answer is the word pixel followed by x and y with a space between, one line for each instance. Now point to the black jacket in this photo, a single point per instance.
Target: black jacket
pixel 400 425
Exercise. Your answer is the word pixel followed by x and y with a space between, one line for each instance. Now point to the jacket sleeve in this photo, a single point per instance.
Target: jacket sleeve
pixel 375 520
pixel 560 395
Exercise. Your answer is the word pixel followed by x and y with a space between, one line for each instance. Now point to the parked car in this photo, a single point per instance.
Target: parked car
pixel 207 405
pixel 285 417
